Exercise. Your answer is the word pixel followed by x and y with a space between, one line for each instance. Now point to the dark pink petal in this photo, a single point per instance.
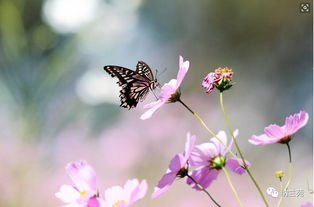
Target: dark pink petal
pixel 93 202
pixel 294 122
pixel 203 176
pixel 274 131
pixel 165 182
pixel 82 175
pixel 177 163
pixel 208 82
pixel 233 165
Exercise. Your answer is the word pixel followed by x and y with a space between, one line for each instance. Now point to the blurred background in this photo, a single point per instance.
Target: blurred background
pixel 58 105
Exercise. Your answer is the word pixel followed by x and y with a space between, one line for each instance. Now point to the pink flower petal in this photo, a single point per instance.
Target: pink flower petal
pixel 262 140
pixel 189 146
pixel 184 67
pixel 94 202
pixel 295 122
pixel 202 153
pixel 164 183
pixel 114 194
pixel 233 165
pixel 82 175
pixel 274 131
pixel 68 194
pixel 153 107
pixel 135 190
pixel 177 162
pixel 203 176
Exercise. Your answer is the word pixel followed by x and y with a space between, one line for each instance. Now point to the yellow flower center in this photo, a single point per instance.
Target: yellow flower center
pixel 118 203
pixel 224 70
pixel 82 193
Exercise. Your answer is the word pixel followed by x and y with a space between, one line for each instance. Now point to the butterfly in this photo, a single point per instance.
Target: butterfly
pixel 135 84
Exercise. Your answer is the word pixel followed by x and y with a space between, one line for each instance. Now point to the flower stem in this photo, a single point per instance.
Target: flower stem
pixel 238 149
pixel 205 126
pixel 203 189
pixel 290 174
pixel 232 187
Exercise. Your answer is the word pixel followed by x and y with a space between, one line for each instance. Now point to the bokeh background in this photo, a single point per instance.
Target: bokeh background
pixel 58 105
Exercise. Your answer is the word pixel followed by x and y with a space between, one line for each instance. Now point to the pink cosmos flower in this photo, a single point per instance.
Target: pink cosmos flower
pixel 211 157
pixel 169 92
pixel 308 204
pixel 281 134
pixel 220 79
pixel 177 168
pixel 84 191
pixel 123 197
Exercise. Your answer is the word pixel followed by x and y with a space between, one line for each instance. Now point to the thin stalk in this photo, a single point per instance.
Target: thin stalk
pixel 232 187
pixel 278 204
pixel 290 174
pixel 204 190
pixel 205 126
pixel 239 151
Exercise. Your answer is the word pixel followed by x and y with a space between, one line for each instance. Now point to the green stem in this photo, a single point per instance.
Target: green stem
pixel 290 174
pixel 238 149
pixel 203 189
pixel 232 187
pixel 205 126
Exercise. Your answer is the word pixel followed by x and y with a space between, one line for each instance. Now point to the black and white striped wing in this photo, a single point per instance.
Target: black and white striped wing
pixel 134 86
pixel 143 69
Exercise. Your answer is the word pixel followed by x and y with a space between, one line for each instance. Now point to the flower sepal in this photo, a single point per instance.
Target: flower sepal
pixel 218 163
pixel 223 85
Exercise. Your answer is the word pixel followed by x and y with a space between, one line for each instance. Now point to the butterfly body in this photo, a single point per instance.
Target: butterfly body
pixel 135 85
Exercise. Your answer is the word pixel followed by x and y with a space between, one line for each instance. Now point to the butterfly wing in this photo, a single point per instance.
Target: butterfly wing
pixel 143 69
pixel 134 85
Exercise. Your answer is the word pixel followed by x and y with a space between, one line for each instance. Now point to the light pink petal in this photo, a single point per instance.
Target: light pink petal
pixel 219 147
pixel 225 151
pixel 164 183
pixel 233 165
pixel 308 204
pixel 294 122
pixel 82 175
pixel 68 194
pixel 159 191
pixel 135 190
pixel 203 176
pixel 202 153
pixel 189 146
pixel 262 140
pixel 114 194
pixel 274 131
pixel 184 67
pixel 152 108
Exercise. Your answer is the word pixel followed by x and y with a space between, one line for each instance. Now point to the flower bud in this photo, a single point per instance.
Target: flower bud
pixel 220 79
pixel 279 174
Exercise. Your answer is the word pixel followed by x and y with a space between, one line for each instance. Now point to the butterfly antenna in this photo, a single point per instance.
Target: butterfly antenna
pixel 164 70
